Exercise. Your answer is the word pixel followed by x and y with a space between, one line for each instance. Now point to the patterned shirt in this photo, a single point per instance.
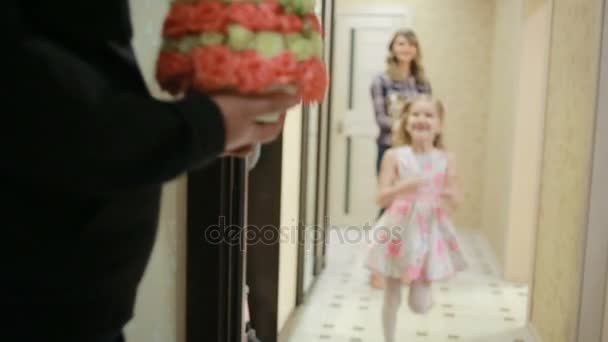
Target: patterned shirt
pixel 382 87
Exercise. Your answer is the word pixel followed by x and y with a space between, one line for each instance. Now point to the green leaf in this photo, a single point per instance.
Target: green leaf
pixel 302 48
pixel 187 43
pixel 211 38
pixel 239 37
pixel 269 44
pixel 316 41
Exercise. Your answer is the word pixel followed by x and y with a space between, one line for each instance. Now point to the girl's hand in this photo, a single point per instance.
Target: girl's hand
pixel 413 184
pixel 450 198
pixel 451 195
pixel 448 195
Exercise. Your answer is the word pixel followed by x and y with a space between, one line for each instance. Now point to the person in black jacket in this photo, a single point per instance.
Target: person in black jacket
pixel 85 150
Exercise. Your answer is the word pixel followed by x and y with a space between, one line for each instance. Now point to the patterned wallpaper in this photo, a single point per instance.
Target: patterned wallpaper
pixel 159 312
pixel 565 176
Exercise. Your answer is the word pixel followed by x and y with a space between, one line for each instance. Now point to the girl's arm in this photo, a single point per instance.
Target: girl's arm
pixel 390 186
pixel 452 195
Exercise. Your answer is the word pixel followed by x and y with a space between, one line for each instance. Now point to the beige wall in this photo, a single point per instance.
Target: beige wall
pixel 527 141
pixel 290 207
pixel 566 166
pixel 160 306
pixel 605 330
pixel 456 38
pixel 500 124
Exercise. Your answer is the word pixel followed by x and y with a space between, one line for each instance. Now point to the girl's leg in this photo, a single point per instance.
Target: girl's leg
pixel 392 301
pixel 420 296
pixel 377 280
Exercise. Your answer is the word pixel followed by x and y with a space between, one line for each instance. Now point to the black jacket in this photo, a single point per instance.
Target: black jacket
pixel 84 152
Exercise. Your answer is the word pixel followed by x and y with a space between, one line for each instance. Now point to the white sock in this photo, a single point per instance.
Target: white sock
pixel 420 297
pixel 392 301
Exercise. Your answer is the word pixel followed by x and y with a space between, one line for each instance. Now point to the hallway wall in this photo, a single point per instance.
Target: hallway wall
pixel 290 210
pixel 500 125
pixel 160 306
pixel 528 131
pixel 573 76
pixel 605 331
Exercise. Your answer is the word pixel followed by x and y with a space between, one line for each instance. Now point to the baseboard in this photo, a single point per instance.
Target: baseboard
pixel 489 251
pixel 534 333
pixel 290 324
pixel 294 317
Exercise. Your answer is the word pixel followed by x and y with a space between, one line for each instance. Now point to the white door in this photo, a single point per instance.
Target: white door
pixel 360 51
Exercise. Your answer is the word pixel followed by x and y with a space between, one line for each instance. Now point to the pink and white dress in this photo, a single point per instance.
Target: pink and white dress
pixel 414 238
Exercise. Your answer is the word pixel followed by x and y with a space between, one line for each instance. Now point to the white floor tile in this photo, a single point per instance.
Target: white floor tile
pixel 476 306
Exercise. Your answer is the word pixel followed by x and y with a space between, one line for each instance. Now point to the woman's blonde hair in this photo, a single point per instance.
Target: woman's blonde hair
pixel 402 137
pixel 416 67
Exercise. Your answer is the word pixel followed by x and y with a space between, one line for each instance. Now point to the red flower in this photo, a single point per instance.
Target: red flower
pixel 254 73
pixel 313 80
pixel 244 14
pixel 177 21
pixel 214 68
pixel 267 17
pixel 174 72
pixel 290 23
pixel 271 5
pixel 208 16
pixel 285 67
pixel 314 23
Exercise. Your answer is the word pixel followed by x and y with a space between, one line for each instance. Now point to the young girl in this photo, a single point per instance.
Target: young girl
pixel 403 78
pixel 414 238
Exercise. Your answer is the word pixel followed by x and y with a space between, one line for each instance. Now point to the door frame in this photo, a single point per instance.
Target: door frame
pixel 595 269
pixel 215 258
pixel 324 145
pixel 301 293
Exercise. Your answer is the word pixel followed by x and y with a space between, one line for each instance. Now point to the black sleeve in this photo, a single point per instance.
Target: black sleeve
pixel 80 125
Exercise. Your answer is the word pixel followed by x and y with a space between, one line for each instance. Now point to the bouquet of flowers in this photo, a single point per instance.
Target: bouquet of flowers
pixel 243 46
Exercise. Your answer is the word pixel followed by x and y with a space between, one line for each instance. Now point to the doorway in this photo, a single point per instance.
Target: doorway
pixel 360 47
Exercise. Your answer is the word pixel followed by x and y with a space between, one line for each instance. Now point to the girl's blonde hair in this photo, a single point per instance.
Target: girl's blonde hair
pixel 416 67
pixel 402 137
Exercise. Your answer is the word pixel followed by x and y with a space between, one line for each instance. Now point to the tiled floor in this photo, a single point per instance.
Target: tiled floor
pixel 476 306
